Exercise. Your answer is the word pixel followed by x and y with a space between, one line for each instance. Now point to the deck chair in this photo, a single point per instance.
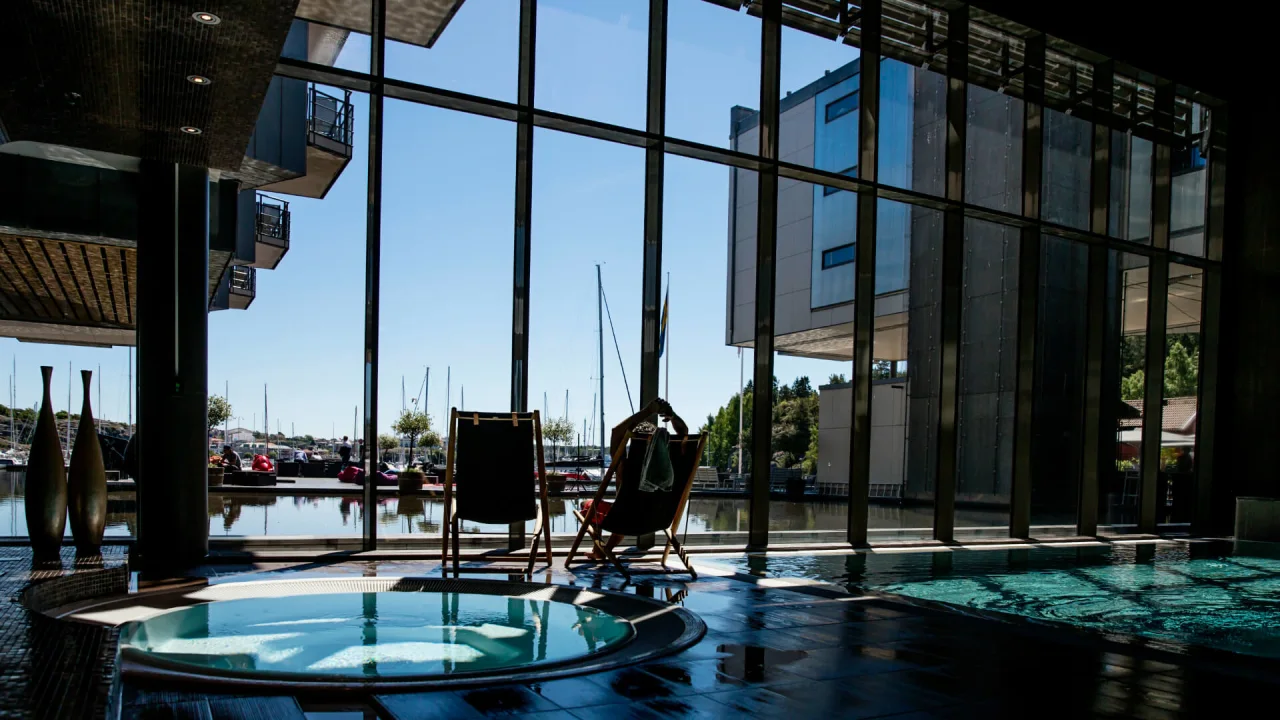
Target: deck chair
pixel 636 512
pixel 490 459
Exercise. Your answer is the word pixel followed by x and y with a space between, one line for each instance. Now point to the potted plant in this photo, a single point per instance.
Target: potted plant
pixel 411 480
pixel 216 471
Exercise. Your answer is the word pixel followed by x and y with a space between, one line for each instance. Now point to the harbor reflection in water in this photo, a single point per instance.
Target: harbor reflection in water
pixel 254 514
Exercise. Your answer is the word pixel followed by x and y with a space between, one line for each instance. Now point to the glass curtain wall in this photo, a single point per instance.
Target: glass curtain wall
pixel 1175 489
pixel 588 204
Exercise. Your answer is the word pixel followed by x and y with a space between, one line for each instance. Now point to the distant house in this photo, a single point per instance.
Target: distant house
pixel 240 435
pixel 1177 426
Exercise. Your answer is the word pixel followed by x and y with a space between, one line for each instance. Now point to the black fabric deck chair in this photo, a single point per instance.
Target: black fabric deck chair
pixel 636 512
pixel 491 460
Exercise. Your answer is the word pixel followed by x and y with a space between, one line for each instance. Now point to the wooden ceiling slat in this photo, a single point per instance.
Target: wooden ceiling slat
pixel 115 281
pixel 76 254
pixel 129 258
pixel 67 282
pixel 45 280
pixel 27 282
pixel 102 281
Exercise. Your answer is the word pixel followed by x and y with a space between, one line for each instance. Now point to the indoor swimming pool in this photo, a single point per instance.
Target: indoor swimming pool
pixel 1176 595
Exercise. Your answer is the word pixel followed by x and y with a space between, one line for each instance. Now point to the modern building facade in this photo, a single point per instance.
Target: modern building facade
pixel 817 234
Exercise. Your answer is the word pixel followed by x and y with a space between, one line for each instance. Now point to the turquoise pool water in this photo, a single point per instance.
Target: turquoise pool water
pixel 376 634
pixel 1160 592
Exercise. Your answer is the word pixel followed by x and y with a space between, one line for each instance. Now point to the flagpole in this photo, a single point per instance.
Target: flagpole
pixel 666 338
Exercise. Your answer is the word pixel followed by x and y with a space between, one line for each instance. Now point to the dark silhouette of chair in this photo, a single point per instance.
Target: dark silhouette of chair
pixel 491 457
pixel 637 512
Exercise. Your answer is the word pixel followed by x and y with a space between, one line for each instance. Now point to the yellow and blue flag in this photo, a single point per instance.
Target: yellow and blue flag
pixel 662 331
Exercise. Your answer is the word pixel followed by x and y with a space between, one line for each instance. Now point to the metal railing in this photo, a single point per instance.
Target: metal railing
pixel 273 220
pixel 244 280
pixel 331 117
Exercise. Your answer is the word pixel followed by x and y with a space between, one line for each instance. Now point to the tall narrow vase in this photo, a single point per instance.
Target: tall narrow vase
pixel 46 494
pixel 87 480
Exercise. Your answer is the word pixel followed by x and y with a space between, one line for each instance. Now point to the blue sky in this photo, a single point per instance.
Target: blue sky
pixel 447 228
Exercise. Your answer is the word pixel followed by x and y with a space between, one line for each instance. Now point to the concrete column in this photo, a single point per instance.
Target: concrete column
pixel 173 357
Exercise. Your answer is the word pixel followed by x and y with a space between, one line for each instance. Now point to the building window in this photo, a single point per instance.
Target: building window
pixel 837 256
pixel 828 190
pixel 840 107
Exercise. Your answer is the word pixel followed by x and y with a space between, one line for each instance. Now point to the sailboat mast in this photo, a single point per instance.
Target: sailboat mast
pixel 666 339
pixel 600 323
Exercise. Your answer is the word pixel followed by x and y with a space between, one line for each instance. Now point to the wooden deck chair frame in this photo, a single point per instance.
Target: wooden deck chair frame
pixel 587 525
pixel 542 523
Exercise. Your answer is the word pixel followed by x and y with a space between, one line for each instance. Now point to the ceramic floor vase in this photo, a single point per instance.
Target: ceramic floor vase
pixel 87 480
pixel 46 491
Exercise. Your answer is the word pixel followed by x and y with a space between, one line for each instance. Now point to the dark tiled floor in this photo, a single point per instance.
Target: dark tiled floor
pixel 776 652
pixel 50 669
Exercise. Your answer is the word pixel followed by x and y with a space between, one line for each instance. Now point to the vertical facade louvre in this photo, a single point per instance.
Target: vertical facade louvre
pixel 766 272
pixel 1092 462
pixel 521 246
pixel 1157 316
pixel 373 276
pixel 864 289
pixel 944 518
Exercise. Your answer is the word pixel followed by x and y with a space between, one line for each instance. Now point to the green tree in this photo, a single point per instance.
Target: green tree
pixel 388 442
pixel 1133 386
pixel 415 424
pixel 1181 371
pixel 559 431
pixel 219 411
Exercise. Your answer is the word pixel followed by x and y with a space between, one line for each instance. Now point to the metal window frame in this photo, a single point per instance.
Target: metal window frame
pixel 1029 242
pixel 373 276
pixel 521 244
pixel 864 280
pixel 770 170
pixel 766 272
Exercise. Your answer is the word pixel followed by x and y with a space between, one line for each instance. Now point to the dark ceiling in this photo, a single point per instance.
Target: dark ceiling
pixel 111 75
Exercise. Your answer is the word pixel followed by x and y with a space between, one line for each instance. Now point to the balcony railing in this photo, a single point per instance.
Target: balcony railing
pixel 244 280
pixel 273 220
pixel 330 119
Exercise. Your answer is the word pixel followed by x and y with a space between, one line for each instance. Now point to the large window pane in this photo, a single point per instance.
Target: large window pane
pixel 585 276
pixel 447 239
pixel 1058 417
pixel 707 363
pixel 913 127
pixel 1175 491
pixel 473 50
pixel 1187 205
pixel 905 371
pixel 812 365
pixel 278 404
pixel 1131 178
pixel 1123 375
pixel 819 107
pixel 713 75
pixel 988 373
pixel 593 59
pixel 1068 148
pixel 993 153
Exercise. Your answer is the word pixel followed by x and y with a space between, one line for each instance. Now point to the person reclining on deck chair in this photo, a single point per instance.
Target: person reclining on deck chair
pixel 642 427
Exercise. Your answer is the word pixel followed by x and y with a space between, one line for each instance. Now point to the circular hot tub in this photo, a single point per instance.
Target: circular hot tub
pixel 395 633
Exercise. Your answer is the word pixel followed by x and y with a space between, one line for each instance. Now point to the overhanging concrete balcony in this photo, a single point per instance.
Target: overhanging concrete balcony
pixel 244 281
pixel 272 232
pixel 305 159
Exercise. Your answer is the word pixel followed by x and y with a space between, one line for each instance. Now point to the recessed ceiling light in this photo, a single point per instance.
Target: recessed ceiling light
pixel 198 80
pixel 190 130
pixel 207 18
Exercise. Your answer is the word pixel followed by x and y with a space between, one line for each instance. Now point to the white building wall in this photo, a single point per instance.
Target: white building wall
pixel 888 434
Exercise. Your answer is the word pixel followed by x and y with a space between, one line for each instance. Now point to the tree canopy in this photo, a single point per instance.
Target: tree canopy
pixel 219 410
pixel 415 424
